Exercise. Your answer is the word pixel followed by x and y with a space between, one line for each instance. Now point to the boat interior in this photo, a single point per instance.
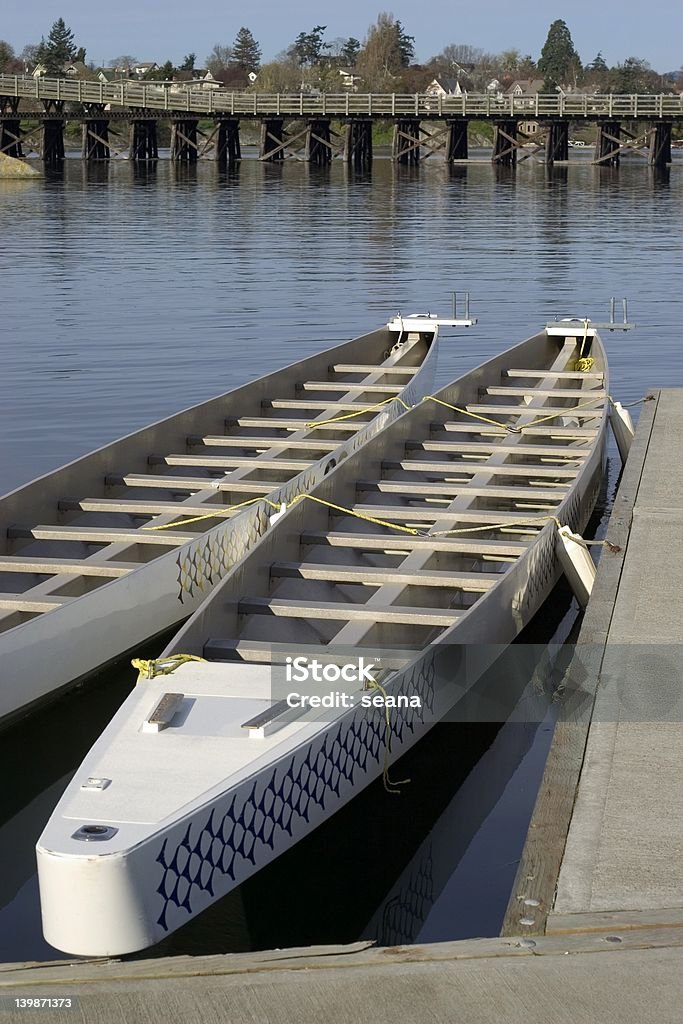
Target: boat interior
pixel 83 525
pixel 412 531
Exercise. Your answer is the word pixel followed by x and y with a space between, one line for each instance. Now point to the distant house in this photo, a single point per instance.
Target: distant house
pixel 142 69
pixel 444 86
pixel 525 87
pixel 75 69
pixel 80 71
pixel 526 90
pixel 198 78
pixel 349 79
pixel 494 86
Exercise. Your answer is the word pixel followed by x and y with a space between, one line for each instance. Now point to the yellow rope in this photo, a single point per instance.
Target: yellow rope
pixel 390 787
pixel 466 412
pixel 219 513
pixel 161 666
pixel 350 415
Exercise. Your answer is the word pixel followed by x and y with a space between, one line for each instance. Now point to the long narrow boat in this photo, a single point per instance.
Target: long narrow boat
pixel 440 532
pixel 81 579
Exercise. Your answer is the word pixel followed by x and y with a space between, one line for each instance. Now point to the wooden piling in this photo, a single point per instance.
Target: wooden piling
pixel 228 150
pixel 10 127
pixel 318 147
pixel 184 147
pixel 557 142
pixel 607 145
pixel 456 143
pixel 406 144
pixel 505 143
pixel 52 145
pixel 143 140
pixel 272 139
pixel 95 145
pixel 358 143
pixel 660 144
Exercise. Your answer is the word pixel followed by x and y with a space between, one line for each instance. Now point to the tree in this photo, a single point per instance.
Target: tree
pixel 7 56
pixel 597 74
pixel 406 45
pixel 59 50
pixel 279 76
pixel 246 52
pixel 344 51
pixel 124 63
pixel 559 62
pixel 634 76
pixel 308 47
pixel 188 62
pixel 384 53
pixel 219 59
pixel 349 53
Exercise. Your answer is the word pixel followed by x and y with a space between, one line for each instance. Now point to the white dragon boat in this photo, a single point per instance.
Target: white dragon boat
pixel 82 581
pixel 439 533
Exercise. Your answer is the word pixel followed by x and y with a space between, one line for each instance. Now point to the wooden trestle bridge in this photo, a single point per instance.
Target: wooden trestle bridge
pixel 301 125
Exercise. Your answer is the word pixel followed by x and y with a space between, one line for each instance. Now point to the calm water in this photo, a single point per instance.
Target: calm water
pixel 128 294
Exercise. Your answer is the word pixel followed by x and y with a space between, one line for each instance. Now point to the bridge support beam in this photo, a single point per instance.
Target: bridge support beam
pixel 52 147
pixel 228 150
pixel 406 144
pixel 272 140
pixel 456 143
pixel 143 140
pixel 505 143
pixel 556 142
pixel 660 144
pixel 608 144
pixel 184 148
pixel 10 138
pixel 10 129
pixel 358 143
pixel 95 145
pixel 318 147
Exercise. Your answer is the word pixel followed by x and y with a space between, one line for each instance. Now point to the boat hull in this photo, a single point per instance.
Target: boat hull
pixel 43 656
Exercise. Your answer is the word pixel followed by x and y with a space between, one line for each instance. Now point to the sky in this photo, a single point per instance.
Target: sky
pixel 168 30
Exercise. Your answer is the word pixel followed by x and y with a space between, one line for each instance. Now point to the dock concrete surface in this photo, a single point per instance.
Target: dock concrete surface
pixel 594 929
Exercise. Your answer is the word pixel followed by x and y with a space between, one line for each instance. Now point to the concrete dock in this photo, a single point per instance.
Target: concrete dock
pixel 594 928
pixel 605 846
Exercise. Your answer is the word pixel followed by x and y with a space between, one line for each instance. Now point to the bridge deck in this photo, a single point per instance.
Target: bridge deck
pixel 139 97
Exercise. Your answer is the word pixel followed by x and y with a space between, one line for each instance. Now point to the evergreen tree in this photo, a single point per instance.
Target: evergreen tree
pixel 599 64
pixel 559 62
pixel 246 52
pixel 308 47
pixel 59 50
pixel 406 45
pixel 349 52
pixel 188 62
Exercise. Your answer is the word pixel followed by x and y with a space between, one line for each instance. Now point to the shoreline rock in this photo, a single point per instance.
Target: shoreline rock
pixel 10 167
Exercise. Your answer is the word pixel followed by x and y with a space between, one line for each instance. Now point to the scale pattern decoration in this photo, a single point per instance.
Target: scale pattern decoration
pixel 202 563
pixel 237 835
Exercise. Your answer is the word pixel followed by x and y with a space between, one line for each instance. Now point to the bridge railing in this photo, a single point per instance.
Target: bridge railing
pixel 174 97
